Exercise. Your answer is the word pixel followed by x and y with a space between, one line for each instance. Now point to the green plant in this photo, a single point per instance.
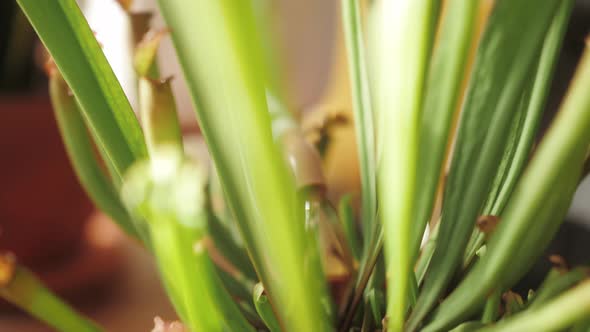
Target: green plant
pixel 272 274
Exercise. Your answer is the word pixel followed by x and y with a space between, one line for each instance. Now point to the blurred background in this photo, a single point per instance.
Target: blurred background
pixel 46 218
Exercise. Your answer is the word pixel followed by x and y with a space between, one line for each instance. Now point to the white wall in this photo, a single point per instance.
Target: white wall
pixel 306 27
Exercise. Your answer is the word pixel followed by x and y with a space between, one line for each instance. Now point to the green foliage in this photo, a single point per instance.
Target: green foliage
pixel 219 48
pixel 169 193
pixel 505 57
pixel 76 52
pixel 80 148
pixel 446 73
pixel 406 75
pixel 363 110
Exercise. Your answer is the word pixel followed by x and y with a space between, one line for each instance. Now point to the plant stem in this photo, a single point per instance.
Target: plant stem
pixel 492 307
pixel 168 192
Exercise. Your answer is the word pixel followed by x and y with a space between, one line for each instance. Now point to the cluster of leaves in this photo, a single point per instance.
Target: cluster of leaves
pixel 252 244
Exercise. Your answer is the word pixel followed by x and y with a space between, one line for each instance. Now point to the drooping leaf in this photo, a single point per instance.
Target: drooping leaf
pixel 80 149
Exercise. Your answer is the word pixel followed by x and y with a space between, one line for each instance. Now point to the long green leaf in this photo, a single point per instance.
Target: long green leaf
pixel 536 105
pixel 446 73
pixel 506 55
pixel 549 219
pixel 478 237
pixel 363 111
pixel 537 207
pixel 76 52
pixel 81 153
pixel 405 33
pixel 218 46
pixel 365 138
pixel 525 129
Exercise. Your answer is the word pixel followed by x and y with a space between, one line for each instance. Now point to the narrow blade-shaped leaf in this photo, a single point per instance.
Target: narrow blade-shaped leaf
pixel 446 73
pixel 506 55
pixel 76 52
pixel 405 32
pixel 363 112
pixel 525 130
pixel 80 150
pixel 536 209
pixel 219 48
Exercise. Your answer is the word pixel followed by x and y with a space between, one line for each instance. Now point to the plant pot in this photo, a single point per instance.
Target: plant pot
pixel 42 207
pixel 46 219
